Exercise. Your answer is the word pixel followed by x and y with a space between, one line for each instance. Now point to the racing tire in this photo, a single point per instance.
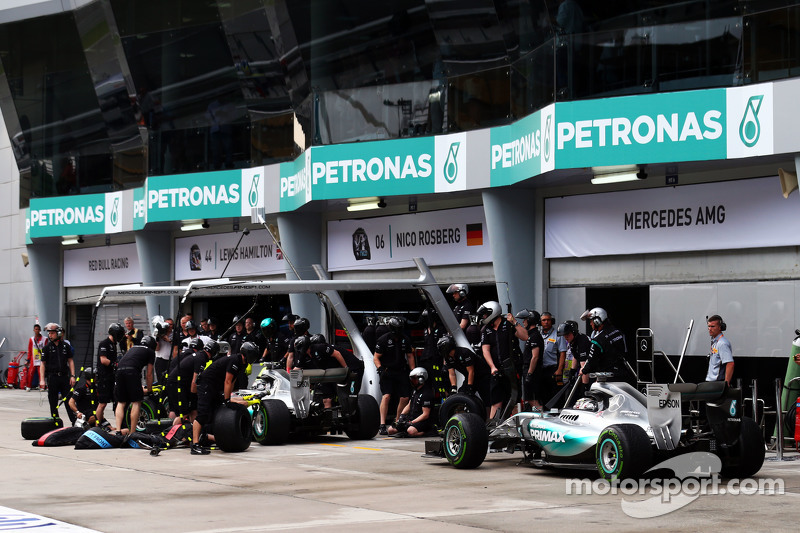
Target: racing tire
pixel 366 421
pixel 466 440
pixel 159 425
pixel 749 451
pixel 233 428
pixel 460 403
pixel 623 451
pixel 271 423
pixel 146 414
pixel 34 428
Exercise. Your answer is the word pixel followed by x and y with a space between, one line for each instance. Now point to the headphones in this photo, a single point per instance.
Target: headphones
pixel 722 325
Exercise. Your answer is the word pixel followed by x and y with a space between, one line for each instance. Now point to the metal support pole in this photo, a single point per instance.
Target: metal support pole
pixel 779 419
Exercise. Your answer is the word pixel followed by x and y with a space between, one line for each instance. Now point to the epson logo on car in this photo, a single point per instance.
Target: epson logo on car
pixel 546 435
pixel 670 404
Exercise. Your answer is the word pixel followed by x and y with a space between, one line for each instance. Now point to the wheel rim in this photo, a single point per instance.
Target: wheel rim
pixel 453 441
pixel 259 422
pixel 609 456
pixel 144 417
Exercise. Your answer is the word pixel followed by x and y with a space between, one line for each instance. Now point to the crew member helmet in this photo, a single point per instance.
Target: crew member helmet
pixel 488 312
pixel 596 316
pixel 420 374
pixel 301 344
pixel 301 326
pixel 196 344
pixel 461 288
pixel 533 317
pixel 250 352
pixel 212 348
pixel 395 324
pixel 568 327
pixel 116 331
pixel 150 342
pixel 268 327
pixel 445 345
pixel 317 338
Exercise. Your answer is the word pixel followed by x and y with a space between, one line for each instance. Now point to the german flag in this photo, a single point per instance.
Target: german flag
pixel 475 234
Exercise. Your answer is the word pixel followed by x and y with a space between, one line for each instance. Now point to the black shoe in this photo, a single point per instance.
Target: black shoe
pixel 199 450
pixel 382 430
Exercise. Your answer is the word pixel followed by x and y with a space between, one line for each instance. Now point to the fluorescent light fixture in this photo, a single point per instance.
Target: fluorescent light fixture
pixel 69 239
pixel 192 225
pixel 617 175
pixel 364 204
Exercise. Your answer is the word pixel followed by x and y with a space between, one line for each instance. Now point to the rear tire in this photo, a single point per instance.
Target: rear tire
pixel 750 451
pixel 232 428
pixel 366 421
pixel 33 428
pixel 623 451
pixel 466 440
pixel 460 403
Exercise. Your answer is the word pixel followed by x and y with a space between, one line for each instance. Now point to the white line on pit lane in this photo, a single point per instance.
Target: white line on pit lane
pixel 13 520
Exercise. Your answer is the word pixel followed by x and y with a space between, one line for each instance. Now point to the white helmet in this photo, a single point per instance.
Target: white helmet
pixel 420 373
pixel 488 312
pixel 596 315
pixel 461 288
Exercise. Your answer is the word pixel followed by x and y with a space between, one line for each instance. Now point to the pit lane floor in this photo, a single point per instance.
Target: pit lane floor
pixel 336 484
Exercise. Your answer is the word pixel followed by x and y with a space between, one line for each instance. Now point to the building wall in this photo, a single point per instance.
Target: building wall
pixel 17 312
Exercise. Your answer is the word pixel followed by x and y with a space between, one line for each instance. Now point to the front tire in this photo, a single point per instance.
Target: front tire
pixel 271 423
pixel 366 421
pixel 466 440
pixel 623 452
pixel 750 451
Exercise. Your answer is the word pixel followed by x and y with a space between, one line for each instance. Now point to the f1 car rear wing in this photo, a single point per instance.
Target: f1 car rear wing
pixel 325 288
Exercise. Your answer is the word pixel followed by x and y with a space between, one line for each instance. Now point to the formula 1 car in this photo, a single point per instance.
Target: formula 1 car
pixel 282 404
pixel 617 430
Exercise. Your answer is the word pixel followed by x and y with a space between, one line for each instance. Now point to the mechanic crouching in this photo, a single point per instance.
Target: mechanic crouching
pixel 415 419
pixel 215 385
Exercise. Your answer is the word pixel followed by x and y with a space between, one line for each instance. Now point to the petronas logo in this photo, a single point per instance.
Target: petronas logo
pixel 115 212
pixel 451 164
pixel 750 128
pixel 547 141
pixel 253 196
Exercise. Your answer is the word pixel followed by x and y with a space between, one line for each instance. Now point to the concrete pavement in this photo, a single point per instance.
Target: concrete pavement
pixel 337 484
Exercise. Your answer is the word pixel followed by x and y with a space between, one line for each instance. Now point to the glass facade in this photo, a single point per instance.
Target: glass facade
pixel 121 89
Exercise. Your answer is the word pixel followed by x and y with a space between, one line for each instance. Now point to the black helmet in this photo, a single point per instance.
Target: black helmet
pixel 268 327
pixel 395 324
pixel 301 344
pixel 318 338
pixel 290 318
pixel 148 341
pixel 533 317
pixel 211 321
pixel 88 373
pixel 301 326
pixel 236 320
pixel 196 344
pixel 250 352
pixel 190 325
pixel 212 348
pixel 428 316
pixel 570 326
pixel 445 344
pixel 117 331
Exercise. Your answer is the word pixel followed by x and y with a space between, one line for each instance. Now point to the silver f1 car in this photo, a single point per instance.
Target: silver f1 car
pixel 281 404
pixel 617 430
